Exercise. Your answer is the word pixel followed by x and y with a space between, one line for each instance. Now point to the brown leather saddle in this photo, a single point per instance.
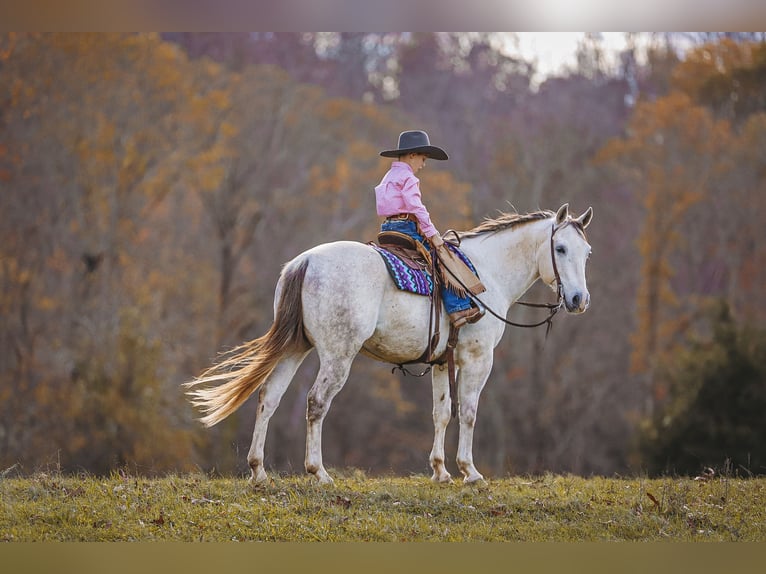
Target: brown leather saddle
pixel 411 251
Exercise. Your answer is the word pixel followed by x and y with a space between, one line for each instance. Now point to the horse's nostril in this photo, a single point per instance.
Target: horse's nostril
pixel 576 300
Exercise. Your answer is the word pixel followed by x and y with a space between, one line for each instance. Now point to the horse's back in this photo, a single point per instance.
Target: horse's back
pixel 345 265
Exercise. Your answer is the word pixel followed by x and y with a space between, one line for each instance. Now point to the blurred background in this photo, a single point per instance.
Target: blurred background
pixel 151 187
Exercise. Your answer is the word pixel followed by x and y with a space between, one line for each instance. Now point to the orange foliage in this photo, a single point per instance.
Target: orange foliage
pixel 149 201
pixel 153 201
pixel 710 61
pixel 670 154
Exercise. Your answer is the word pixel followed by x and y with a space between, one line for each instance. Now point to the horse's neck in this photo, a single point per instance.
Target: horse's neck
pixel 508 259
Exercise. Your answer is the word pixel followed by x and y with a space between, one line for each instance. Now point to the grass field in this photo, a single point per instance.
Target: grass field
pixel 195 507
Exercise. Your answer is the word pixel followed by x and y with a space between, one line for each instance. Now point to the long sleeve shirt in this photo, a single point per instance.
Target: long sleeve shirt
pixel 399 192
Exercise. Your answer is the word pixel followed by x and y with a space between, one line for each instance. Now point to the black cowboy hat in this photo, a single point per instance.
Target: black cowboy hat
pixel 415 141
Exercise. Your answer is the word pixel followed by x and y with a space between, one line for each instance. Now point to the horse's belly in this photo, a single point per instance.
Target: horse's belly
pixel 401 334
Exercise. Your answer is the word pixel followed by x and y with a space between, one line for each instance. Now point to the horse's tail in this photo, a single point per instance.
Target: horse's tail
pixel 250 364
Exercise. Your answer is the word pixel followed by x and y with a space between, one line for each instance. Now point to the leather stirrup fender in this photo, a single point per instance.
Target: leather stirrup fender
pixel 451 344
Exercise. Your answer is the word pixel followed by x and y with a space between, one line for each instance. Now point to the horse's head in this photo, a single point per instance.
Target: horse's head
pixel 562 259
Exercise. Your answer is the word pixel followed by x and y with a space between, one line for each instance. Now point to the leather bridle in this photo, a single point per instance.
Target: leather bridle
pixel 553 308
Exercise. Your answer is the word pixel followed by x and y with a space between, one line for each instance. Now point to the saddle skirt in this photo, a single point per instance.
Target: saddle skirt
pixel 409 269
pixel 407 273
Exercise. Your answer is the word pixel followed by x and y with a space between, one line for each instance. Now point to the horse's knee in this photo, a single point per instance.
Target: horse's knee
pixel 468 415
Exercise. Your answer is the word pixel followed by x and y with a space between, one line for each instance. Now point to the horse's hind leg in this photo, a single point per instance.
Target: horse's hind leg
pixel 268 400
pixel 333 372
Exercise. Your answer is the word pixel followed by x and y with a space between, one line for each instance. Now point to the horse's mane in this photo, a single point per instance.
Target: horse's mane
pixel 506 221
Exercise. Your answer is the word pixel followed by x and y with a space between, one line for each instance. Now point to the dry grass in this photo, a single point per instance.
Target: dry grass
pixel 359 508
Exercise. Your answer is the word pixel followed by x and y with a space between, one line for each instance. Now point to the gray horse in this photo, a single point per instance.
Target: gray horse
pixel 338 298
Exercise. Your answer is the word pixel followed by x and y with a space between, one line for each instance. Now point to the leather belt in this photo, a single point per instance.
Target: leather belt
pixel 402 217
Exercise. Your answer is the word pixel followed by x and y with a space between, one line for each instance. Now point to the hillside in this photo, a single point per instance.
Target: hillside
pixel 196 507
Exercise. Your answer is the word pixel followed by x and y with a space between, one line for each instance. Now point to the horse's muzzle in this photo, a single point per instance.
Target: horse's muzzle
pixel 578 302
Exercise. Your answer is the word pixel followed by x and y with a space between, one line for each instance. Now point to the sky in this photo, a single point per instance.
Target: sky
pixel 555 51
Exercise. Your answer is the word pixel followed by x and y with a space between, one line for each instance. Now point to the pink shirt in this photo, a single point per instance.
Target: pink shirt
pixel 399 192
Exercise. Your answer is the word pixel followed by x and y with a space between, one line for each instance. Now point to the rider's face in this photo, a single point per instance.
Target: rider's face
pixel 417 161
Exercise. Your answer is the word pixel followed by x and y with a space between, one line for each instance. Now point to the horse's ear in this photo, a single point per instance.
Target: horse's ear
pixel 562 214
pixel 585 218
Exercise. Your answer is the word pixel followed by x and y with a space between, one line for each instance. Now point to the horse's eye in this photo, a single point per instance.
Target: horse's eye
pixel 561 249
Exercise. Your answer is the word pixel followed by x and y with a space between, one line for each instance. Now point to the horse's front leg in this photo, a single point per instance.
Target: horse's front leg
pixel 471 380
pixel 441 414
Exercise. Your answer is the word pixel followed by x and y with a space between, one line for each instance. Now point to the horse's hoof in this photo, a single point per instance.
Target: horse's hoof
pixel 259 478
pixel 477 480
pixel 445 478
pixel 324 479
pixel 473 477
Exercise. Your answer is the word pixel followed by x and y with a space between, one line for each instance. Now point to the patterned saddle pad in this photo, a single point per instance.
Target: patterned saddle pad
pixel 409 279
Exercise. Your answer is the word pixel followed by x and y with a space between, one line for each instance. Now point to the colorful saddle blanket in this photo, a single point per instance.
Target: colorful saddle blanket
pixel 406 278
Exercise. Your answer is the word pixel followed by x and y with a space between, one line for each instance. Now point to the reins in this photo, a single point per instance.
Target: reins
pixel 448 355
pixel 553 308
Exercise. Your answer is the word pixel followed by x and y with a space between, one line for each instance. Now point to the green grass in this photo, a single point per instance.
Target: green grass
pixel 196 507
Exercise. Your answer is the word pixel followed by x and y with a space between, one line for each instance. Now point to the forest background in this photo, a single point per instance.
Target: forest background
pixel 151 187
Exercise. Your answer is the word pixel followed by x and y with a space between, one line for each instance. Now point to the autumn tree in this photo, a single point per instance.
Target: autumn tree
pixel 672 154
pixel 94 120
pixel 741 208
pixel 151 191
pixel 729 77
pixel 726 76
